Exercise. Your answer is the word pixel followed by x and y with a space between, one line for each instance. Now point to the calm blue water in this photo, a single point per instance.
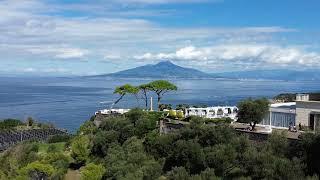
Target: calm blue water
pixel 67 102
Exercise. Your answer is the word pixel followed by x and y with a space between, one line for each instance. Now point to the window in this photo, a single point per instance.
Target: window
pixel 220 112
pixel 212 112
pixel 204 112
pixel 235 110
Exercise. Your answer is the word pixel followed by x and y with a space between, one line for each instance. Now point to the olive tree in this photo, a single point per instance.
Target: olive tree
pixel 252 111
pixel 160 87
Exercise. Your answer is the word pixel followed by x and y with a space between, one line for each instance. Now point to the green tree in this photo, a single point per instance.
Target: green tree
pixel 80 148
pixel 37 170
pixel 208 174
pixel 130 161
pixel 178 173
pixel 135 114
pixel 88 127
pixel 222 158
pixel 278 144
pixel 160 87
pixel 17 157
pixel 124 90
pixel 3 175
pixel 30 121
pixel 10 123
pixel 121 126
pixel 180 114
pixel 252 111
pixel 311 149
pixel 188 154
pixel 92 172
pixel 159 146
pixel 145 88
pixel 59 161
pixel 102 140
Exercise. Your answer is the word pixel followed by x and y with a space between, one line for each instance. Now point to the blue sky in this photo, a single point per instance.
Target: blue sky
pixel 87 37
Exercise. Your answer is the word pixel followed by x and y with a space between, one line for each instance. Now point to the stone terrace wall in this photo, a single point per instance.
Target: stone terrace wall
pixel 12 137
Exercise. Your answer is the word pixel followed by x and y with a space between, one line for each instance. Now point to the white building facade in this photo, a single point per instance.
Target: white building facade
pixel 112 111
pixel 308 112
pixel 281 115
pixel 304 112
pixel 213 112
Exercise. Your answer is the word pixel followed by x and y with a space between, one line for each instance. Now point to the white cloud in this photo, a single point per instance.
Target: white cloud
pixel 112 57
pixel 47 70
pixel 41 35
pixel 35 30
pixel 239 54
pixel 59 52
pixel 165 1
pixel 29 70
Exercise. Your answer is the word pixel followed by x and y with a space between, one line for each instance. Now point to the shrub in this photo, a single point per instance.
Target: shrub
pixel 10 123
pixel 180 114
pixel 80 149
pixel 172 114
pixel 37 170
pixel 59 138
pixel 92 172
pixel 30 121
pixel 45 125
pixel 219 120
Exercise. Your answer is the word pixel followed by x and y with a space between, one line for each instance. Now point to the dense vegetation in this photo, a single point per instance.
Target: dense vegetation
pixel 16 124
pixel 10 123
pixel 131 147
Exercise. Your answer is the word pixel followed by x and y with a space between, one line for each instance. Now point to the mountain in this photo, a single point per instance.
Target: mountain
pixel 165 69
pixel 277 74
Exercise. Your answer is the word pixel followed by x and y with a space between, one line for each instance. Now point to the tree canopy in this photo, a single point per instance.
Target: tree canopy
pixel 160 87
pixel 124 90
pixel 252 111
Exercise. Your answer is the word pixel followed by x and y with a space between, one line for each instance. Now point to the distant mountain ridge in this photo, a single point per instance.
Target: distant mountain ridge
pixel 164 69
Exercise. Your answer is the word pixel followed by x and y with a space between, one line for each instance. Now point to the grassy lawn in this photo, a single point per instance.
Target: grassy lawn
pixel 43 147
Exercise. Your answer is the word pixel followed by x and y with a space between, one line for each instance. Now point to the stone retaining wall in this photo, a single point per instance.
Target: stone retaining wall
pixel 12 137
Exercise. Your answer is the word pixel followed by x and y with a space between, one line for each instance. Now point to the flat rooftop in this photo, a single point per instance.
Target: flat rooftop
pixel 288 105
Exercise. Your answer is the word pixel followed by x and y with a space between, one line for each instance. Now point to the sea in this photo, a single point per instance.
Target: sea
pixel 67 102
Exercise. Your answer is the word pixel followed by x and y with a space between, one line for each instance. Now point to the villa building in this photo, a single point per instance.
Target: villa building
pixel 281 115
pixel 112 111
pixel 308 111
pixel 304 112
pixel 103 114
pixel 213 112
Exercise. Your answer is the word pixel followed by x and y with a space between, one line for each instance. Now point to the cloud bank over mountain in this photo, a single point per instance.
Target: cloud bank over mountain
pixel 241 54
pixel 94 37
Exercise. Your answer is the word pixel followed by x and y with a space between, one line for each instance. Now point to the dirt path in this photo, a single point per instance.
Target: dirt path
pixel 72 175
